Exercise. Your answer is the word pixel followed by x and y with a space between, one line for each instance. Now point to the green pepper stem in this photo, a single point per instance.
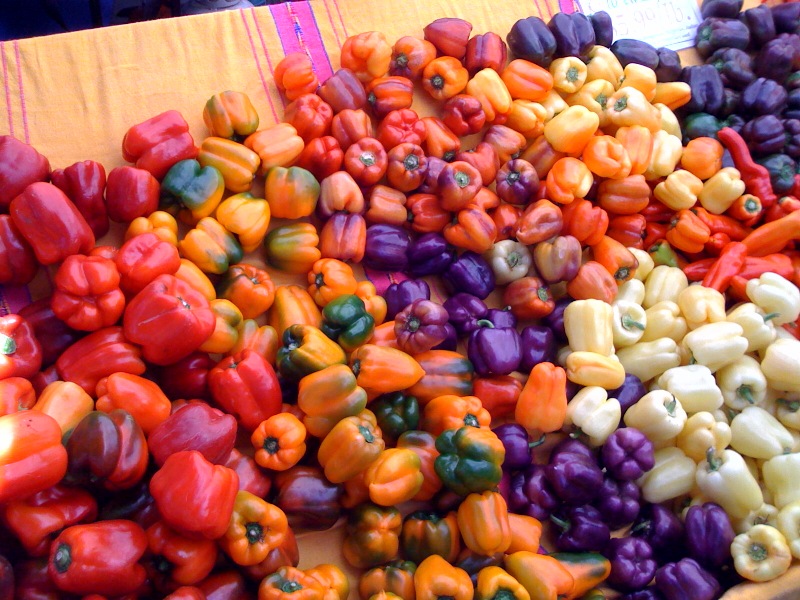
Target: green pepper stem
pixel 62 559
pixel 757 552
pixel 671 405
pixel 746 392
pixel 485 323
pixel 562 524
pixel 770 316
pixel 538 442
pixel 8 345
pixel 628 322
pixel 714 461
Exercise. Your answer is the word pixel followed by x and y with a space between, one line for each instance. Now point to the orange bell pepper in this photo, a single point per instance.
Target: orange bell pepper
pixel 529 298
pixel 68 403
pixel 435 577
pixel 392 579
pixel 505 217
pixel 616 258
pixel 339 193
pixel 458 183
pixel 277 146
pixel 702 157
pixel 351 446
pixel 638 143
pixel 16 394
pixel 483 523
pixel 527 81
pixel 293 248
pixel 487 86
pixel 227 318
pixel 293 305
pixel 373 302
pixel 290 583
pixel 333 580
pixel 380 370
pixel 247 217
pixel 384 335
pixel 451 412
pixel 472 229
pixel 262 339
pixel 444 77
pixel 672 94
pixel 230 115
pixel 425 213
pixel 584 221
pixel 330 278
pixel 629 106
pixel 386 94
pixel 394 477
pixel 291 193
pixel 310 115
pixel 406 168
pixel 439 140
pixel 506 142
pixel 540 221
pixel 593 96
pixel 423 444
pixel 606 157
pixel 542 404
pixel 35 460
pixel 593 281
pixel 387 204
pixel 541 575
pixel 526 532
pixel 527 117
pixel 688 232
pixel 249 288
pixel 142 398
pixel 410 56
pixel 498 393
pixel 255 529
pixel 570 130
pixel 328 396
pixel 446 372
pixel 569 179
pixel 294 75
pixel 344 237
pixel 159 222
pixel 366 161
pixel 237 163
pixel 191 274
pixel 279 441
pixel 372 535
pixel 367 54
pixel 626 196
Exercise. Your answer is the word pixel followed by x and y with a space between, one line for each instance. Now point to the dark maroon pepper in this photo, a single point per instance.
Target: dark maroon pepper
pixel 735 67
pixel 761 24
pixel 728 9
pixel 580 529
pixel 538 345
pixel 686 579
pixel 717 32
pixel 635 51
pixel 778 58
pixel 669 65
pixel 469 273
pixel 574 34
pixel 603 28
pixel 85 184
pixel 429 254
pixel 53 334
pixel 762 96
pixel 531 494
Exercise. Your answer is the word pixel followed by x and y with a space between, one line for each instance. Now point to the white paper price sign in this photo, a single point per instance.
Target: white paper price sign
pixel 669 23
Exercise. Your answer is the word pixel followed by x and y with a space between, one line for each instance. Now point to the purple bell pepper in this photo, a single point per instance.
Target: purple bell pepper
pixel 531 494
pixel 629 393
pixel 619 502
pixel 400 295
pixel 494 350
pixel 580 529
pixel 517 444
pixel 575 478
pixel 648 593
pixel 686 579
pixel 501 317
pixel 465 310
pixel 709 534
pixel 632 563
pixel 429 254
pixel 451 340
pixel 430 185
pixel 469 273
pixel 538 345
pixel 420 326
pixel 628 454
pixel 662 529
pixel 386 248
pixel 572 446
pixel 555 320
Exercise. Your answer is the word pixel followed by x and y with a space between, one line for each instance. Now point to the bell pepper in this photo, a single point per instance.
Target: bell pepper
pixel 367 54
pixel 294 75
pixel 742 383
pixel 236 163
pixel 20 165
pixel 321 157
pixel 310 115
pixel 346 321
pixel 333 580
pixel 18 263
pixel 211 246
pixel 758 434
pixel 293 305
pixel 329 279
pixel 591 368
pixel 279 442
pixel 20 350
pixel 472 229
pixel 385 94
pixel 628 324
pixel 395 577
pixel 469 459
pixel 773 294
pixel 569 179
pixel 97 355
pixel 255 529
pixel 725 479
pixel 276 146
pixel 444 77
pixel 528 118
pixel 131 193
pixel 305 350
pixel 351 126
pixel 569 74
pixel 541 575
pixel 249 288
pixel 396 413
pixel 429 533
pixel 491 91
pixel 380 370
pixel 350 446
pixel 141 259
pixel 483 523
pixel 510 260
pixel 230 115
pixel 190 273
pixel 693 386
pixel 451 412
pixel 158 143
pixel 777 473
pixel 723 338
pixel 494 582
pixel 786 523
pixel 588 326
pixel 463 114
pixel 435 577
pixel 420 326
pixel 487 50
pixel 343 90
pixel 638 144
pixel 410 56
pixel 179 560
pixel 342 398
pixel 289 582
pixel 344 237
pixel 571 129
pixel 366 161
pixel 664 283
pixel 517 182
pixel 666 153
pixel 606 157
pixel 761 554
pixel 394 477
pixel 494 350
pixel 649 359
pixel 141 397
pixel 528 298
pixel 84 183
pixel 79 561
pixel 245 216
pixel 580 529
pixel 17 394
pixel 424 445
pixel 672 475
pixel 658 414
pixel 388 205
pixel 372 535
pixel 703 431
pixel 159 222
pixel 445 372
pixel 406 167
pixel 293 248
pixel 593 413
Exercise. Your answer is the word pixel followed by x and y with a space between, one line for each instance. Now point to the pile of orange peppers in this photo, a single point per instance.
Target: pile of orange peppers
pixel 170 413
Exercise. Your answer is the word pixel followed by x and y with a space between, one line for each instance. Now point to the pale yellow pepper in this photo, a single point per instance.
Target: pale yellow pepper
pixel 647 360
pixel 788 523
pixel 632 291
pixel 658 414
pixel 721 190
pixel 725 479
pixel 603 64
pixel 628 106
pixel 591 368
pixel 742 383
pixel 775 295
pixel 715 344
pixel 594 97
pixel 669 121
pixel 629 323
pixel 781 365
pixel 701 432
pixel 646 263
pixel 664 320
pixel 553 105
pixel 700 305
pixel 679 190
pixel 766 514
pixel 781 474
pixel 641 78
pixel 589 326
pixel 694 386
pixel 594 414
pixel 569 74
pixel 756 433
pixel 664 283
pixel 672 476
pixel 758 327
pixel 787 409
pixel 667 150
pixel 761 554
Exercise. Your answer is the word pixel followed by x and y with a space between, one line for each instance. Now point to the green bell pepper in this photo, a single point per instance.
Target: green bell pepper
pixel 190 191
pixel 469 459
pixel 345 319
pixel 396 413
pixel 306 350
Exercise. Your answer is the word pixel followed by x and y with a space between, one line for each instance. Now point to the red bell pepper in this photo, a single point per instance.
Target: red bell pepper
pixel 85 184
pixel 98 355
pixel 399 126
pixel 143 258
pixel 188 377
pixel 195 497
pixel 252 478
pixel 169 318
pixel 20 351
pixel 158 143
pixel 99 558
pixel 53 334
pixel 16 394
pixel 87 296
pixel 321 157
pixel 20 165
pixel 131 193
pixel 37 519
pixel 194 426
pixel 18 264
pixel 245 385
pixel 36 460
pixel 51 223
pixel 177 559
pixel 142 398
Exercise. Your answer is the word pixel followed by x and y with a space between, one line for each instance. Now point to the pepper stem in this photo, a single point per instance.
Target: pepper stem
pixel 8 345
pixel 746 392
pixel 790 405
pixel 538 442
pixel 63 557
pixel 271 445
pixel 289 586
pixel 504 594
pixel 714 462
pixel 471 420
pixel 757 552
pixel 411 162
pixel 770 316
pixel 562 524
pixel 366 434
pixel 461 178
pixel 254 533
pixel 671 405
pixel 412 324
pixel 484 323
pixel 628 322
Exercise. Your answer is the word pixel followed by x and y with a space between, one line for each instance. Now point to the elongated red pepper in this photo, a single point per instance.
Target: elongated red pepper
pixel 729 264
pixel 753 267
pixel 755 176
pixel 773 236
pixel 722 224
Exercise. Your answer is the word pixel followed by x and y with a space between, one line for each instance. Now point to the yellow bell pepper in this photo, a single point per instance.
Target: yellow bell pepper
pixel 775 295
pixel 724 478
pixel 483 523
pixel 664 283
pixel 629 322
pixel 603 64
pixel 237 163
pixel 494 583
pixel 159 222
pixel 328 396
pixel 594 414
pixel 742 383
pixel 646 263
pixel 720 191
pixel 66 402
pixel 758 327
pixel 701 432
pixel 781 474
pixel 491 91
pixel 788 523
pixel 667 150
pixel 227 318
pixel 588 325
pixel 647 360
pixel 541 575
pixel 276 146
pixel 766 514
pixel 781 365
pixel 211 247
pixel 657 414
pixel 679 190
pixel 435 578
pixel 351 446
pixel 756 433
pixel 672 475
pixel 664 320
pixel 787 408
pixel 569 74
pixel 641 78
pixel 553 104
pixel 672 94
pixel 631 291
pixel 394 477
pixel 570 130
pixel 527 117
pixel 593 96
pixel 191 274
pixel 761 554
pixel 669 121
pixel 694 386
pixel 247 217
pixel 629 106
pixel 700 305
pixel 715 344
pixel 591 368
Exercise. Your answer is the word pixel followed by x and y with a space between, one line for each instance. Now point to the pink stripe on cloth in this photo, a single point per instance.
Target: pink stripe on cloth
pixel 21 93
pixel 382 280
pixel 341 19
pixel 6 84
pixel 333 27
pixel 254 52
pixel 13 298
pixel 286 32
pixel 310 38
pixel 567 6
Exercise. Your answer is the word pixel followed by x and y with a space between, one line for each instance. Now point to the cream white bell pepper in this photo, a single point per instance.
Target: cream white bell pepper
pixel 742 383
pixel 787 410
pixel 715 344
pixel 701 432
pixel 588 325
pixel 774 294
pixel 766 514
pixel 700 305
pixel 672 475
pixel 725 479
pixel 694 386
pixel 646 264
pixel 657 414
pixel 664 319
pixel 510 260
pixel 781 365
pixel 664 283
pixel 756 433
pixel 761 554
pixel 647 360
pixel 758 327
pixel 594 414
pixel 632 291
pixel 629 323
pixel 788 523
pixel 781 475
